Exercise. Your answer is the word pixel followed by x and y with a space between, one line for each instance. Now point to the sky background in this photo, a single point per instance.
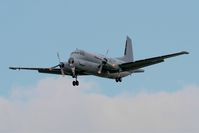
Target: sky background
pixel 33 31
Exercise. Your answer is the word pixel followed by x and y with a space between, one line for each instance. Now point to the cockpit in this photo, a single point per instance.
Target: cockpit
pixel 78 52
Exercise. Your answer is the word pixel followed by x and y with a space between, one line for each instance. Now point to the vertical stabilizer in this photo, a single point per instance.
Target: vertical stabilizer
pixel 128 51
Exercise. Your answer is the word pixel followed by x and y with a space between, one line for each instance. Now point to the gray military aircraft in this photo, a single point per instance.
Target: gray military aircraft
pixel 85 63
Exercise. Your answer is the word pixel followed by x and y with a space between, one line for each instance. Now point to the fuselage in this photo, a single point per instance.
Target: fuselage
pixel 89 63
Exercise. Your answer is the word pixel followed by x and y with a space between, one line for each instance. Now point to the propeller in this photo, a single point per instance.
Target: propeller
pixel 61 65
pixel 104 61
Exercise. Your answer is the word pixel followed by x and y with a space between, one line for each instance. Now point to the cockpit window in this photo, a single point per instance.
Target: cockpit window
pixel 78 52
pixel 75 52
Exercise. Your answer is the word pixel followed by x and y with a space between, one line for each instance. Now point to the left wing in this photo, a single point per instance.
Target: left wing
pixel 147 62
pixel 50 70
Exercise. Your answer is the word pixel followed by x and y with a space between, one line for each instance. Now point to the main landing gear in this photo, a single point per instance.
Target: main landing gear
pixel 119 79
pixel 76 82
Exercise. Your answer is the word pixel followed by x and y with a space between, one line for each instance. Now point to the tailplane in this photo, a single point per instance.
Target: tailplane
pixel 128 52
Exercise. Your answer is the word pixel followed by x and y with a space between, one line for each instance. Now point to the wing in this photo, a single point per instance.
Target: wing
pixel 50 70
pixel 147 62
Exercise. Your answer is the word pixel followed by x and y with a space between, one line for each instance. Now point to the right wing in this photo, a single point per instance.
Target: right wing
pixel 147 62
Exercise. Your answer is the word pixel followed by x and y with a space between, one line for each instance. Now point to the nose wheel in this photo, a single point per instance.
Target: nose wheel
pixel 75 83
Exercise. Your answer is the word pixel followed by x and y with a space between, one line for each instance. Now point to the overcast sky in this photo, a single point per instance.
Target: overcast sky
pixel 163 99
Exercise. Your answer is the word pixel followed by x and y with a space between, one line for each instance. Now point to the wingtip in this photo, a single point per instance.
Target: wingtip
pixel 185 52
pixel 14 68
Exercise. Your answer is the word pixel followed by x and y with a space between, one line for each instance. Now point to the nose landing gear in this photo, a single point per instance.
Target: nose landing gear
pixel 75 83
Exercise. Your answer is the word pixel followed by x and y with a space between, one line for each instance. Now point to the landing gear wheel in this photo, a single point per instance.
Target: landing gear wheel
pixel 118 79
pixel 75 83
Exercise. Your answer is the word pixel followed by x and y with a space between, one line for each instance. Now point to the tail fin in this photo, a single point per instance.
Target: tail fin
pixel 128 52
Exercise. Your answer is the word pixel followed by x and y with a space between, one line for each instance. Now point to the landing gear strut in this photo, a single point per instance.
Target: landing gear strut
pixel 119 79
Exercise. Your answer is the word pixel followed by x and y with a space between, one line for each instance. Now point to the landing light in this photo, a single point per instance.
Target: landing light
pixel 113 65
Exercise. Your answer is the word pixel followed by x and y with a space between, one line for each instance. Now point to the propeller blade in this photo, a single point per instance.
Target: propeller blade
pixel 58 57
pixel 53 67
pixel 61 65
pixel 62 72
pixel 100 69
pixel 107 52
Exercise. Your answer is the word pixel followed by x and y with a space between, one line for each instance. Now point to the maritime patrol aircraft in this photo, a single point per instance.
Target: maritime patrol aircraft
pixel 82 63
